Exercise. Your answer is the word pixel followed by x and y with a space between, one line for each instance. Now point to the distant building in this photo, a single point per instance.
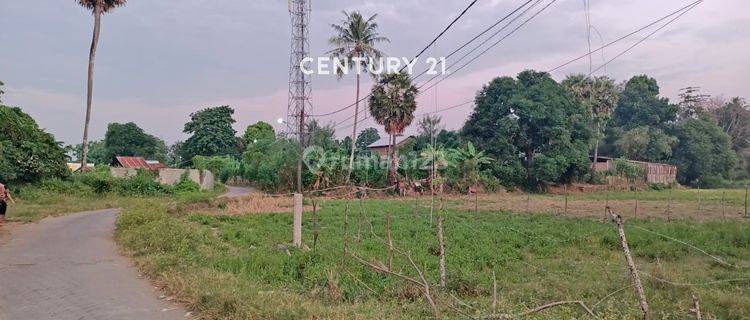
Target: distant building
pixel 137 163
pixel 656 173
pixel 381 146
pixel 131 163
pixel 75 166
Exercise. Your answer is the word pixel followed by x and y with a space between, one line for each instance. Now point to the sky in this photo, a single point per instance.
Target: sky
pixel 160 60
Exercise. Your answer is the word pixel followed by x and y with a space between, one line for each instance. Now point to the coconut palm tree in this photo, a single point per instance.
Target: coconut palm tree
pixel 392 105
pixel 97 7
pixel 355 40
pixel 600 96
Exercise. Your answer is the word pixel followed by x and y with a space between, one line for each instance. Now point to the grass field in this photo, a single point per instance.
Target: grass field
pixel 229 265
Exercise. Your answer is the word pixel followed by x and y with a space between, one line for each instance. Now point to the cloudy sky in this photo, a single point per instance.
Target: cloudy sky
pixel 160 60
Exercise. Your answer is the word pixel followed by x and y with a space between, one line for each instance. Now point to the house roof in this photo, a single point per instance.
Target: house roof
pixel 384 142
pixel 133 162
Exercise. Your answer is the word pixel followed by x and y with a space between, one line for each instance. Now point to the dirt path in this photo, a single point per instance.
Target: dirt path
pixel 69 268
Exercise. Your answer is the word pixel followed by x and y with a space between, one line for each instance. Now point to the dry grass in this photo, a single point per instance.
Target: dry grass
pixel 588 208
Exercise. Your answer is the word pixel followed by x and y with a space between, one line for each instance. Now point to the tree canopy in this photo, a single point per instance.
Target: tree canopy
pixel 533 127
pixel 704 154
pixel 258 132
pixel 127 139
pixel 27 152
pixel 366 138
pixel 211 133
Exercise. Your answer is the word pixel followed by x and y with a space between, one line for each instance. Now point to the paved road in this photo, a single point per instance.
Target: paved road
pixel 69 268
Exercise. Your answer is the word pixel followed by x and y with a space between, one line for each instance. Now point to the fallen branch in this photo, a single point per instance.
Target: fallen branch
pixel 540 309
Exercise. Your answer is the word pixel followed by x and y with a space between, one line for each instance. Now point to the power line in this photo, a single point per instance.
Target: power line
pixel 489 48
pixel 483 42
pixel 404 67
pixel 481 34
pixel 625 36
pixel 646 37
pixel 465 44
pixel 679 12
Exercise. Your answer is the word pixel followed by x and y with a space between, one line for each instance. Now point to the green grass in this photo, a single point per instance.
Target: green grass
pixel 730 196
pixel 238 268
pixel 33 204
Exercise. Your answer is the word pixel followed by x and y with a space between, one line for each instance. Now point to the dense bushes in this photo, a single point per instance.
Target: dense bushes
pixel 27 152
pixel 100 182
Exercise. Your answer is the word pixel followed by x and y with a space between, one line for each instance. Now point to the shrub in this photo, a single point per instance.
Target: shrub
pixel 489 182
pixel 186 185
pixel 100 180
pixel 142 184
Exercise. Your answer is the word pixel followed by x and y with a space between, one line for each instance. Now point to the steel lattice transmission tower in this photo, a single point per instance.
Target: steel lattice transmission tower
pixel 300 91
pixel 299 83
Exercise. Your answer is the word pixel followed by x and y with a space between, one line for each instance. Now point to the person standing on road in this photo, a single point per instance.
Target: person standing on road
pixel 4 198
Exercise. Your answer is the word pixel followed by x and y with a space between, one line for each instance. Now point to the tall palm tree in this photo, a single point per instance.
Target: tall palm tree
pixel 97 7
pixel 355 39
pixel 392 105
pixel 600 96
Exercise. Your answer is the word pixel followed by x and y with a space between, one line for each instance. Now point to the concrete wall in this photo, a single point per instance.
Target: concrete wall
pixel 168 176
pixel 123 172
pixel 171 177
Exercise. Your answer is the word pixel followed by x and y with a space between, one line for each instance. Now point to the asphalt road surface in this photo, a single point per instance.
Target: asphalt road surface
pixel 68 268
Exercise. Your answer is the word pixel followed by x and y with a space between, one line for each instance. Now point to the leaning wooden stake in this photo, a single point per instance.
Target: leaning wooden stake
pixel 390 240
pixel 441 243
pixel 696 310
pixel 631 263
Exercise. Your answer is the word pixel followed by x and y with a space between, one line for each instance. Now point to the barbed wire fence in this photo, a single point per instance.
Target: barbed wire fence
pixel 476 215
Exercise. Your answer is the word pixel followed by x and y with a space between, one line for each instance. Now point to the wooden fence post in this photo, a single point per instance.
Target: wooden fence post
pixel 315 223
pixel 746 186
pixel 565 210
pixel 390 240
pixel 669 206
pixel 346 233
pixel 528 203
pixel 494 293
pixel 636 204
pixel 723 206
pixel 698 214
pixel 441 243
pixel 606 204
pixel 696 310
pixel 631 263
pixel 297 232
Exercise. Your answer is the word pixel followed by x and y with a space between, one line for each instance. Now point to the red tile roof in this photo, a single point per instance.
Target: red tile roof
pixel 133 162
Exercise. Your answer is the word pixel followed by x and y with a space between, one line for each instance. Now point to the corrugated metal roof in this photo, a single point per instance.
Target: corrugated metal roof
pixel 133 162
pixel 384 142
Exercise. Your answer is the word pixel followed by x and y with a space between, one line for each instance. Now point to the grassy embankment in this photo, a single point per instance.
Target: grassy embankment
pixel 242 267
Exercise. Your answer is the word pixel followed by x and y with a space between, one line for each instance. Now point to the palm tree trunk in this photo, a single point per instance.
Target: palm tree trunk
pixel 394 160
pixel 90 89
pixel 354 133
